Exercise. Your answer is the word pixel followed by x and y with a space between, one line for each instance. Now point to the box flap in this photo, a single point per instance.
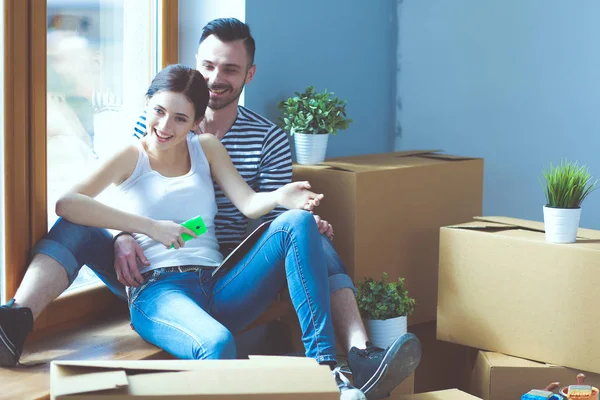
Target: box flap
pixel 537 226
pixel 91 382
pixel 186 365
pixel 271 379
pixel 446 157
pixel 283 361
pixel 514 222
pixel 450 394
pixel 496 360
pixel 383 161
pixel 133 365
pixel 481 225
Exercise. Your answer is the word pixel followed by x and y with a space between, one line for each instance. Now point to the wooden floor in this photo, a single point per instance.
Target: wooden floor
pixel 108 339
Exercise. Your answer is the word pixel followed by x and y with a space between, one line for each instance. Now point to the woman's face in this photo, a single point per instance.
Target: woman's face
pixel 170 116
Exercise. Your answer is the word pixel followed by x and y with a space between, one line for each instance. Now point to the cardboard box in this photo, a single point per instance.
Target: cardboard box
pixel 443 365
pixel 406 387
pixel 386 211
pixel 498 377
pixel 450 394
pixel 257 378
pixel 504 288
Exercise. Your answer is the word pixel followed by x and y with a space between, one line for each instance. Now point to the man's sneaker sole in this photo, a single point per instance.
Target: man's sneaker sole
pixel 8 353
pixel 400 360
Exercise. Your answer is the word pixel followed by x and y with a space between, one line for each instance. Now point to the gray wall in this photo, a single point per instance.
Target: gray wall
pixel 515 82
pixel 346 46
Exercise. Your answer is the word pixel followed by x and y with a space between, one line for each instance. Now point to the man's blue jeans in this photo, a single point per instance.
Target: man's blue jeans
pixel 74 245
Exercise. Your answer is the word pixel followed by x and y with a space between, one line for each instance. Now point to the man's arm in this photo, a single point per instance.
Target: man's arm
pixel 275 169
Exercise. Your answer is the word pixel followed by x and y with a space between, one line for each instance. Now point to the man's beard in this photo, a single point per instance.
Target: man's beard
pixel 217 104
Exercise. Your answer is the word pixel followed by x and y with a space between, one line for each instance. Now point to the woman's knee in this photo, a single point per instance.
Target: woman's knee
pixel 219 345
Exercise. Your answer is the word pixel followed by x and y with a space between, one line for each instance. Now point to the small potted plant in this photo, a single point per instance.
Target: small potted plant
pixel 565 186
pixel 310 117
pixel 384 306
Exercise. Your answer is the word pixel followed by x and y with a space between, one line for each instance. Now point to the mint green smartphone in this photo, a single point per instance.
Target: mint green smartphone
pixel 195 224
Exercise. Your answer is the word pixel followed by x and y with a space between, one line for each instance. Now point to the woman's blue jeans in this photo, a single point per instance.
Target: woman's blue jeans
pixel 193 315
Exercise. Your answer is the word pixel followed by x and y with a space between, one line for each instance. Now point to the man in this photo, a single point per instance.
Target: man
pixel 261 153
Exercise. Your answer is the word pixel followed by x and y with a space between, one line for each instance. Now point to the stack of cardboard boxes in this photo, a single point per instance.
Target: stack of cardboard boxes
pixel 387 211
pixel 504 288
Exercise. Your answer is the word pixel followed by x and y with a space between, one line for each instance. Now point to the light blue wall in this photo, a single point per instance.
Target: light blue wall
pixel 194 14
pixel 346 46
pixel 515 82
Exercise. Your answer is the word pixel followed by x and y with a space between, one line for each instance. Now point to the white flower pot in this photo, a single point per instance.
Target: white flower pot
pixel 561 224
pixel 310 149
pixel 382 333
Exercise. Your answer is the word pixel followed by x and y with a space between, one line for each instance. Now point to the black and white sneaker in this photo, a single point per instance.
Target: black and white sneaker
pixel 15 325
pixel 376 372
pixel 347 391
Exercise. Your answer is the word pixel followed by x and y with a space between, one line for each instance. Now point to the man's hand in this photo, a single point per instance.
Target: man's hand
pixel 127 251
pixel 324 227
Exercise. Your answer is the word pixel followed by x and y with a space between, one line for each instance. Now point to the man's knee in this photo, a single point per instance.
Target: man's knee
pixel 72 245
pixel 294 219
pixel 74 236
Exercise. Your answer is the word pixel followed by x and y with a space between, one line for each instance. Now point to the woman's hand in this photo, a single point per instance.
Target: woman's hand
pixel 169 233
pixel 296 195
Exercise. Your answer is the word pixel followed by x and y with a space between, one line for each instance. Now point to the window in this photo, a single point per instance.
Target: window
pixel 100 59
pixel 78 73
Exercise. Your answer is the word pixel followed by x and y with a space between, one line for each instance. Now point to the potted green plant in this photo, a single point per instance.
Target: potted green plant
pixel 565 187
pixel 310 117
pixel 384 306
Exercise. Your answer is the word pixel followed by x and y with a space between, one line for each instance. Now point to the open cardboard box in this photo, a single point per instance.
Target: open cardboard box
pixel 386 211
pixel 503 288
pixel 260 377
pixel 498 376
pixel 450 394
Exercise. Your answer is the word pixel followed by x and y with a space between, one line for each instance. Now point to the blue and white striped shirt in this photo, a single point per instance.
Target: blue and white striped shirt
pixel 261 152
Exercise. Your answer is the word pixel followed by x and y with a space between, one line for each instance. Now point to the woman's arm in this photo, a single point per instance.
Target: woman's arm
pixel 250 203
pixel 79 206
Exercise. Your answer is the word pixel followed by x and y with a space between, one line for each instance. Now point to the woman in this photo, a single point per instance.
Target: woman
pixel 167 179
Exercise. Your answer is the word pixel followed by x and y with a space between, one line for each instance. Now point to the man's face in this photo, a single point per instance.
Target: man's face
pixel 225 66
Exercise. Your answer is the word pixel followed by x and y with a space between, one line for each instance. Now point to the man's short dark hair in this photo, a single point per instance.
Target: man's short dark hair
pixel 228 30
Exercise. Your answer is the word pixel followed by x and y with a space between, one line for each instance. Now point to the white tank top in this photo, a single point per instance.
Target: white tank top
pixel 177 199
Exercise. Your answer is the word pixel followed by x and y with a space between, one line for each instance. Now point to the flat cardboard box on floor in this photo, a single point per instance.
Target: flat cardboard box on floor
pixel 503 288
pixel 257 378
pixel 499 377
pixel 450 394
pixel 387 209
